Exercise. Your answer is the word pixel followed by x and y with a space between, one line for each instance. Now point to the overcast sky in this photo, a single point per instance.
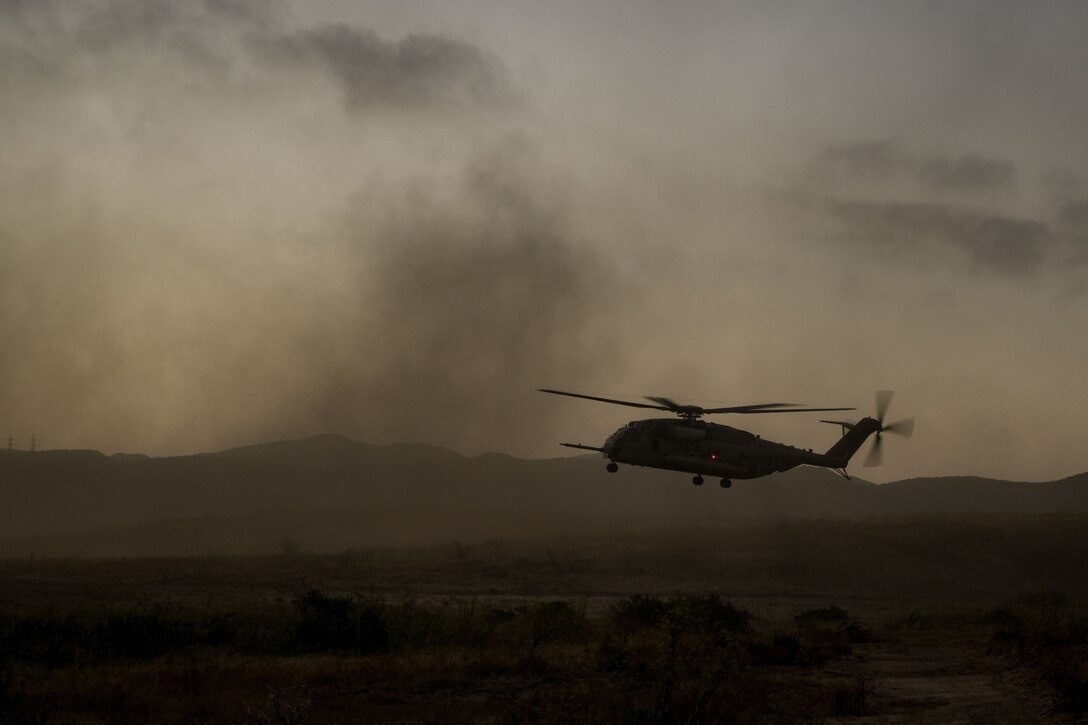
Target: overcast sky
pixel 226 222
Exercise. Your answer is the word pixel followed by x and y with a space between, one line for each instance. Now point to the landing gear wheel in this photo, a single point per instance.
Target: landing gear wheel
pixel 726 483
pixel 612 467
pixel 697 480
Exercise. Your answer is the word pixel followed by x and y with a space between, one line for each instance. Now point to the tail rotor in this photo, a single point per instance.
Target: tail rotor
pixel 903 427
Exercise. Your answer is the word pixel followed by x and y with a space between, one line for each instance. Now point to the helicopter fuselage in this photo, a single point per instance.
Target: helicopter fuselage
pixel 699 447
pixel 692 445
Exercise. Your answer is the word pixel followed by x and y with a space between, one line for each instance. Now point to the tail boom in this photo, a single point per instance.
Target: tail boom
pixel 853 438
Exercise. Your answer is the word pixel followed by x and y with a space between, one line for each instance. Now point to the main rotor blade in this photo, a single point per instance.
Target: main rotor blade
pixel 742 409
pixel 770 408
pixel 876 453
pixel 603 400
pixel 903 427
pixel 883 399
pixel 669 403
pixel 748 408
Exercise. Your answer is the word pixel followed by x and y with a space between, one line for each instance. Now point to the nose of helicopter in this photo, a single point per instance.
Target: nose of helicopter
pixel 614 443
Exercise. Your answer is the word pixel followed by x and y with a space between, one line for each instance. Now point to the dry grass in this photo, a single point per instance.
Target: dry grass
pixel 342 659
pixel 616 629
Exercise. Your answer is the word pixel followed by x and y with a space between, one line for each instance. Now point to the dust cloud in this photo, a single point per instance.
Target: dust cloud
pixel 218 226
pixel 226 222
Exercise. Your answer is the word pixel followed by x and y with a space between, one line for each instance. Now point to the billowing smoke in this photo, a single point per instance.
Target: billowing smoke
pixel 217 227
pixel 945 210
pixel 222 223
pixel 472 302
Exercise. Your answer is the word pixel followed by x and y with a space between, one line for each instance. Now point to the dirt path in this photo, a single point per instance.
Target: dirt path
pixel 933 676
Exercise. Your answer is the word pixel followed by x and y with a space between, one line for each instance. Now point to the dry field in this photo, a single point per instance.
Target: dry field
pixel 817 621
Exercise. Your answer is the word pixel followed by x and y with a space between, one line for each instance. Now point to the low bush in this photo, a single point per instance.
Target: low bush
pixel 827 614
pixel 686 657
pixel 330 624
pixel 637 611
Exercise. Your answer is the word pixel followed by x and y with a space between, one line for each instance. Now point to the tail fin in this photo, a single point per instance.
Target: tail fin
pixel 854 435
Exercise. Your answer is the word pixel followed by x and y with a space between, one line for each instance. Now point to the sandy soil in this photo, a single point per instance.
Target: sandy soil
pixel 932 676
pixel 930 659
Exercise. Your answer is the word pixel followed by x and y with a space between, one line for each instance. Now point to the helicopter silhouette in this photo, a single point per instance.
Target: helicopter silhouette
pixel 692 445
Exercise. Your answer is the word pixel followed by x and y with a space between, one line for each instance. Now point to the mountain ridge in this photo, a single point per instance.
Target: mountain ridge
pixel 419 487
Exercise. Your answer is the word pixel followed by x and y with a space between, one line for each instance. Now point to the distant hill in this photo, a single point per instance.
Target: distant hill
pixel 331 492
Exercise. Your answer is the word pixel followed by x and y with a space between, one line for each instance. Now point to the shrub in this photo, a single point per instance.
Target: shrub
pixel 16 706
pixel 827 614
pixel 706 613
pixel 785 650
pixel 553 620
pixel 141 635
pixel 338 623
pixel 637 611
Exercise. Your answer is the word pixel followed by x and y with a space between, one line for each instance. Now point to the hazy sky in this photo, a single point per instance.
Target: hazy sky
pixel 225 222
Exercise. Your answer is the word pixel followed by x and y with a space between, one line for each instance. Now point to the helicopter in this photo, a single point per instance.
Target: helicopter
pixel 692 445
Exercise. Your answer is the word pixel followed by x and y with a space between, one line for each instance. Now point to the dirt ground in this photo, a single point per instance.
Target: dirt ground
pixel 944 681
pixel 926 596
pixel 928 676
